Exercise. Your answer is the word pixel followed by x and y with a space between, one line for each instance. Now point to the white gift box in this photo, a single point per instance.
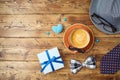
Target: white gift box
pixel 50 60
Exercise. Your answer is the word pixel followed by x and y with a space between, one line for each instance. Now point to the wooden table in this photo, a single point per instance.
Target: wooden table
pixel 23 28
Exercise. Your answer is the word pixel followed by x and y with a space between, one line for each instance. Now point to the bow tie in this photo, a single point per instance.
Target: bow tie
pixel 75 65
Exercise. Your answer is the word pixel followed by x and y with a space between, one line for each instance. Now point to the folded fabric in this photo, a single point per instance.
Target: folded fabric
pixel 110 63
pixel 50 60
pixel 75 65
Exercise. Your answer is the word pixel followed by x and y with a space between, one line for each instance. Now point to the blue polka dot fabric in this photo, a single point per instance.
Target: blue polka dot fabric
pixel 110 63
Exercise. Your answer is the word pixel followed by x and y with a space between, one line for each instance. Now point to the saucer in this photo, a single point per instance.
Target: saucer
pixel 68 32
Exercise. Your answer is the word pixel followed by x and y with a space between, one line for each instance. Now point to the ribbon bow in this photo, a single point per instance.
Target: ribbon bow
pixel 75 65
pixel 50 60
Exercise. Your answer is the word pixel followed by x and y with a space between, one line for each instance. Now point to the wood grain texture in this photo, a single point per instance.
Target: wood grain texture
pixel 43 6
pixel 38 25
pixel 23 27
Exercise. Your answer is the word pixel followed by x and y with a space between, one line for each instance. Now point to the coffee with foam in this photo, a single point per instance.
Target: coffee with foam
pixel 80 38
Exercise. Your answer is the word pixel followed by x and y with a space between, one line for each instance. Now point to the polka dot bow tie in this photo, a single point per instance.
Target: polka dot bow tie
pixel 75 65
pixel 110 63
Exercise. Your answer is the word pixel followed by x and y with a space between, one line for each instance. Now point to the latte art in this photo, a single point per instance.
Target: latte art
pixel 79 38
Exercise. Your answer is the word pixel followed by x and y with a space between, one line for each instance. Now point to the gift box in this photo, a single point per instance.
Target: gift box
pixel 50 60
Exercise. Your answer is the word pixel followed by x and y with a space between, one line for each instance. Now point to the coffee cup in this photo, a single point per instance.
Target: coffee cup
pixel 79 38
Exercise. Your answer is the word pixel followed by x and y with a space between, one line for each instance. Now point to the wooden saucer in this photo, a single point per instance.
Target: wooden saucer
pixel 67 42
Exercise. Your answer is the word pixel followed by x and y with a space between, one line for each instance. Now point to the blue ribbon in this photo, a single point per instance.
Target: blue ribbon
pixel 53 59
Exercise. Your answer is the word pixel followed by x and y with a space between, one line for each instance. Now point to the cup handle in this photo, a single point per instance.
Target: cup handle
pixel 76 49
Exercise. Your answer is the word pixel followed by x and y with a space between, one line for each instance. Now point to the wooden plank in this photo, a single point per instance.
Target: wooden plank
pixel 117 77
pixel 33 66
pixel 39 34
pixel 31 43
pixel 54 76
pixel 24 69
pixel 93 77
pixel 38 25
pixel 30 75
pixel 77 18
pixel 37 76
pixel 28 48
pixel 31 54
pixel 43 6
pixel 43 43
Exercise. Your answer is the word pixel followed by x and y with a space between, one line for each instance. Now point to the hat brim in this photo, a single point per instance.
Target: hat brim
pixel 67 34
pixel 92 9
